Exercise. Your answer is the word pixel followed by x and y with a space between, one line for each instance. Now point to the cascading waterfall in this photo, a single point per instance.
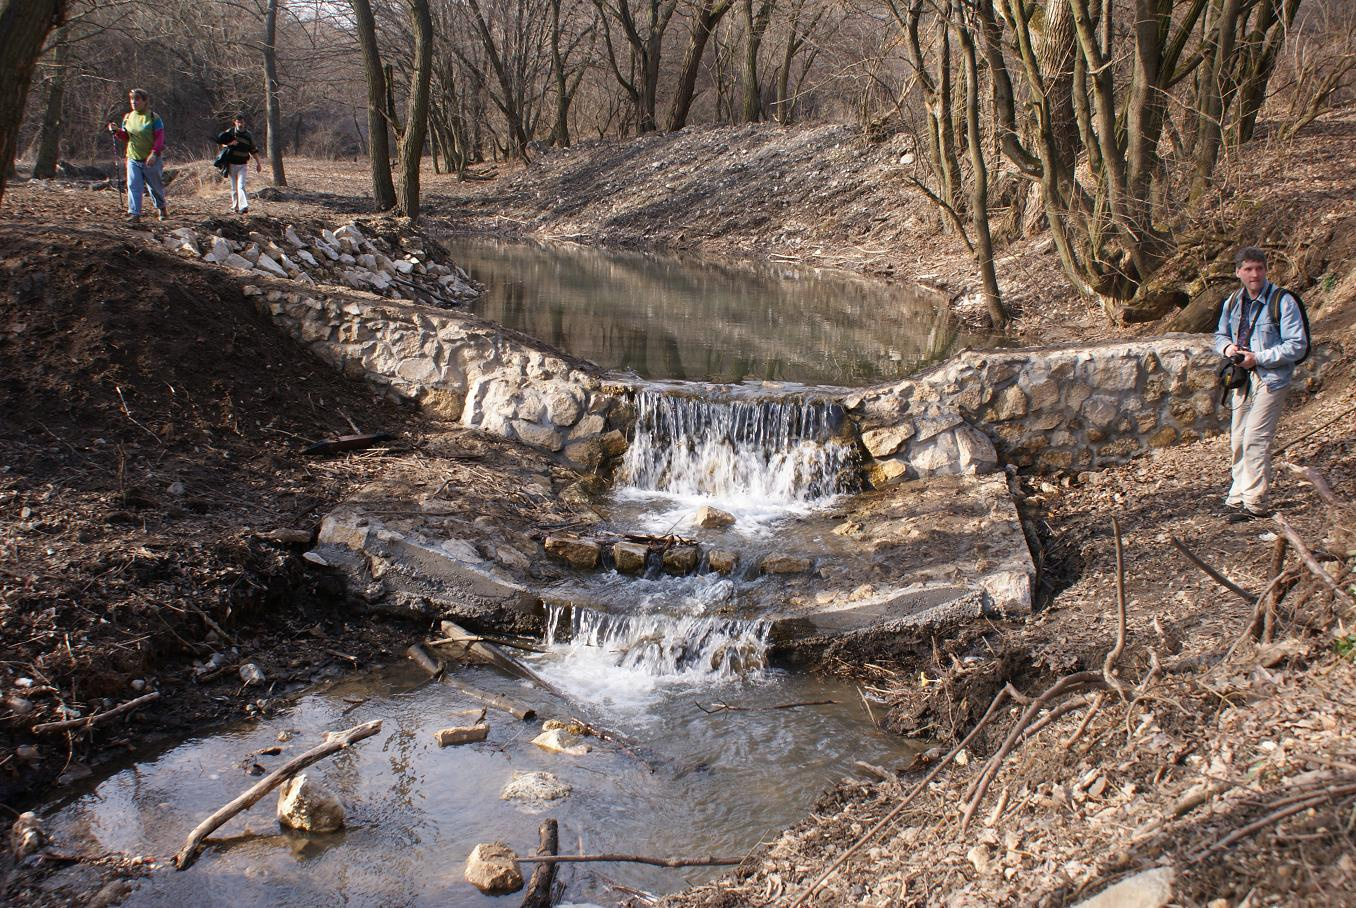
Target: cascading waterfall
pixel 763 459
pixel 657 645
pixel 778 452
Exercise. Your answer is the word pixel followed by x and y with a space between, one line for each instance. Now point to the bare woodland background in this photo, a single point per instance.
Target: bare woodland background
pixel 1095 119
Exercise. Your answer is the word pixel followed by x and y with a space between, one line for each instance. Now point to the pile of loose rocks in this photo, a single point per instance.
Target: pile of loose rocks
pixel 406 269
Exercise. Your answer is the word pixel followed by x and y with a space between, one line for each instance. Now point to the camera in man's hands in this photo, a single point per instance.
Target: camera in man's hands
pixel 1237 359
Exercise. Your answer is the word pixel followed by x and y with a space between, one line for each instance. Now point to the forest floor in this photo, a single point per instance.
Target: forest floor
pixel 151 428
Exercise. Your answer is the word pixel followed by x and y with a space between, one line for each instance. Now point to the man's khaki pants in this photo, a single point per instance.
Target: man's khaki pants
pixel 1251 432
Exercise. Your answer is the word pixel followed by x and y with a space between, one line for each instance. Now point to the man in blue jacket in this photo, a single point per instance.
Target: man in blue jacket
pixel 1250 333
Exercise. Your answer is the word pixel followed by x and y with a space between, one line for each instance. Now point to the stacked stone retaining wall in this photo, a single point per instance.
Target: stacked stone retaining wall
pixel 1068 408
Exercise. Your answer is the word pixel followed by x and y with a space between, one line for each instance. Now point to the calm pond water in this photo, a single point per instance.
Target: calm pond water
pixel 723 780
pixel 681 318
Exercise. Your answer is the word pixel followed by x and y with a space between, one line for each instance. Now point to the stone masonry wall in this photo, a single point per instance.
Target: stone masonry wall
pixel 1049 409
pixel 1068 408
pixel 460 366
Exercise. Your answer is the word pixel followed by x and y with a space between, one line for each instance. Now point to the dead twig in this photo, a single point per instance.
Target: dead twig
pixel 87 721
pixel 1065 685
pixel 1008 692
pixel 1311 562
pixel 1293 805
pixel 631 859
pixel 1112 656
pixel 720 707
pixel 1214 575
pixel 334 743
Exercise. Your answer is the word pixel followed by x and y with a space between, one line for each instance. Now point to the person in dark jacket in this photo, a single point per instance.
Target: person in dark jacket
pixel 240 147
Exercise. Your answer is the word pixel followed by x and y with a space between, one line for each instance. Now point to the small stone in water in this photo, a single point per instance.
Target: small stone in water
pixel 722 561
pixel 251 673
pixel 305 804
pixel 557 740
pixel 630 557
pixel 534 786
pixel 492 867
pixel 138 684
pixel 709 517
pixel 461 734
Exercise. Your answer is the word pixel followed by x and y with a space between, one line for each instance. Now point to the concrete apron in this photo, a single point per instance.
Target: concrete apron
pixel 915 553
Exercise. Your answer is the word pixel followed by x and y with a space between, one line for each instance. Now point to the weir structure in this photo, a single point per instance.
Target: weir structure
pixel 845 510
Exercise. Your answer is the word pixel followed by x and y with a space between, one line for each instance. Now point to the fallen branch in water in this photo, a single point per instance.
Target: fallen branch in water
pixel 485 651
pixel 334 743
pixel 87 721
pixel 544 877
pixel 720 706
pixel 421 658
pixel 632 859
pixel 497 641
pixel 504 704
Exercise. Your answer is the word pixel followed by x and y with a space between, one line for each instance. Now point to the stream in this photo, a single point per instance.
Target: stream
pixel 662 660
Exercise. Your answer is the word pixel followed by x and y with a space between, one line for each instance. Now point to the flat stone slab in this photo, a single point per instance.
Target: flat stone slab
pixel 915 553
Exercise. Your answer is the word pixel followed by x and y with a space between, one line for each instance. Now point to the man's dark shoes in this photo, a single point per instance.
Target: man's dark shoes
pixel 1243 515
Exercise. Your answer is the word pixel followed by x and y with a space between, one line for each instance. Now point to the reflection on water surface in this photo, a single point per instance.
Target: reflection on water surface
pixel 666 317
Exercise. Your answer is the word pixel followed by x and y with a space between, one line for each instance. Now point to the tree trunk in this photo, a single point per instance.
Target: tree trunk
pixel 560 134
pixel 755 26
pixel 1055 53
pixel 49 137
pixel 703 26
pixel 378 139
pixel 24 25
pixel 979 189
pixel 416 109
pixel 272 116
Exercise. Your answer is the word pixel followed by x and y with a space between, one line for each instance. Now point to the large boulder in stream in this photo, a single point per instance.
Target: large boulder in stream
pixel 307 805
pixel 492 867
pixel 681 559
pixel 534 789
pixel 630 557
pixel 560 741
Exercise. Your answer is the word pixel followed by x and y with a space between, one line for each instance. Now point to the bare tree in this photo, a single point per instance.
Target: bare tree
pixel 645 39
pixel 416 110
pixel 49 135
pixel 272 116
pixel 378 138
pixel 703 24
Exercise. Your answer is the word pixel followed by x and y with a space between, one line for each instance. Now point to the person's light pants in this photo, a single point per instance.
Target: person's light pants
pixel 143 177
pixel 1251 432
pixel 239 201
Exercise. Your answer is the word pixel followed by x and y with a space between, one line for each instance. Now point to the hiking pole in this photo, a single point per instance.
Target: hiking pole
pixel 119 168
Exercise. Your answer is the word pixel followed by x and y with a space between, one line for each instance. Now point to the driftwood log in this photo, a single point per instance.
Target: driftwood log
pixel 335 742
pixel 632 859
pixel 436 670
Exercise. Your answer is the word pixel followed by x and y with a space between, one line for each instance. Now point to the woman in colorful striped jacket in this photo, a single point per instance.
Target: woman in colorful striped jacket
pixel 144 134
